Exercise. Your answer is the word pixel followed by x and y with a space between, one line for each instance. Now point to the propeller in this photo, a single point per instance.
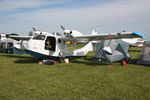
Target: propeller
pixel 36 32
pixel 67 33
pixel 62 28
pixel 71 33
pixel 34 29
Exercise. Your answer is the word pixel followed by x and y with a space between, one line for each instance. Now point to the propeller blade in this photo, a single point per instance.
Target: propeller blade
pixel 62 28
pixel 34 29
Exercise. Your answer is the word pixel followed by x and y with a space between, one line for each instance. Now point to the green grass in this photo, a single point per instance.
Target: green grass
pixel 21 78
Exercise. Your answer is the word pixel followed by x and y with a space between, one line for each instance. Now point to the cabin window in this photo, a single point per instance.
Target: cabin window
pixel 50 43
pixel 59 41
pixel 9 45
pixel 39 37
pixel 3 45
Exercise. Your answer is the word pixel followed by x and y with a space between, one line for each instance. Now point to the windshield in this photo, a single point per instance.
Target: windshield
pixel 39 37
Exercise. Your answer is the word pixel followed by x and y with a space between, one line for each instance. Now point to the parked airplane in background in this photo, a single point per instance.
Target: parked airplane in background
pixel 138 42
pixel 6 44
pixel 44 45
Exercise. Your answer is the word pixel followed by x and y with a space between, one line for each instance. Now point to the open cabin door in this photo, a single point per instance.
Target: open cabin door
pixel 50 43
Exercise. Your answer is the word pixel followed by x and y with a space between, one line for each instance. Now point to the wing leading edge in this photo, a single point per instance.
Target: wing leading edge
pixel 19 37
pixel 106 36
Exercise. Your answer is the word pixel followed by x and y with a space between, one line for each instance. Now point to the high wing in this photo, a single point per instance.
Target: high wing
pixel 104 36
pixel 19 37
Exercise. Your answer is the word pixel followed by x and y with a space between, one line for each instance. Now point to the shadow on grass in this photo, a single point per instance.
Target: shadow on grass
pixel 16 56
pixel 134 50
pixel 87 61
pixel 133 61
pixel 21 58
pixel 26 61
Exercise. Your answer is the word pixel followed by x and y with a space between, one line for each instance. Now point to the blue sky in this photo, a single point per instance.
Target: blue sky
pixel 19 16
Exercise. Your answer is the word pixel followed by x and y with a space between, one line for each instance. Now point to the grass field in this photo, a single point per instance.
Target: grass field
pixel 21 78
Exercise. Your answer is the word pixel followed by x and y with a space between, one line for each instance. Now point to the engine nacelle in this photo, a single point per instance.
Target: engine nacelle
pixel 72 33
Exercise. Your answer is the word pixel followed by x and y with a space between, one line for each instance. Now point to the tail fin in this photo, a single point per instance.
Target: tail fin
pixel 94 32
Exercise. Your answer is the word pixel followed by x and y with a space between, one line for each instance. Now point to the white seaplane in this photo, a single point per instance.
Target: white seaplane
pixel 44 45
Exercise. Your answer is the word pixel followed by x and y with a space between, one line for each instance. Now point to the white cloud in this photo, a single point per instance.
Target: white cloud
pixel 130 15
pixel 10 5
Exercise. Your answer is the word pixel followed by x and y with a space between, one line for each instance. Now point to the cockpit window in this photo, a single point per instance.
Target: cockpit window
pixel 39 37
